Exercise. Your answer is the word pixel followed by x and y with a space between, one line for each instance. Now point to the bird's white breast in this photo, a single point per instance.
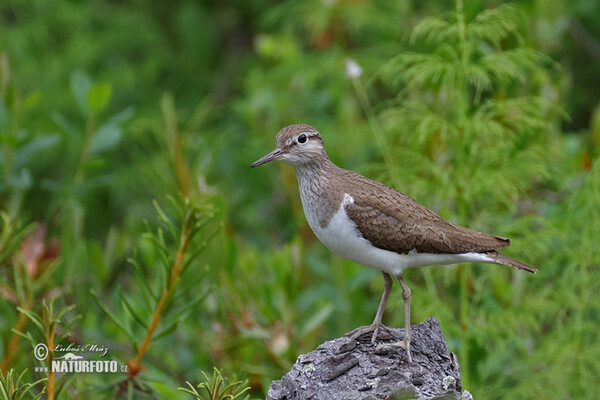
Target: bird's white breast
pixel 341 235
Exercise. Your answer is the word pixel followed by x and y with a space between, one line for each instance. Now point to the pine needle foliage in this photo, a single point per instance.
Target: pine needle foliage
pixel 470 136
pixel 476 51
pixel 456 127
pixel 218 388
pixel 12 386
pixel 53 324
pixel 11 235
pixel 174 294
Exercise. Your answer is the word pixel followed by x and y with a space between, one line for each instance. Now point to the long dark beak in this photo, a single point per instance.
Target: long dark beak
pixel 272 156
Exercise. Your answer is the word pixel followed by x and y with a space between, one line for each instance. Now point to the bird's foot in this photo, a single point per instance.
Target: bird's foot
pixel 358 332
pixel 405 344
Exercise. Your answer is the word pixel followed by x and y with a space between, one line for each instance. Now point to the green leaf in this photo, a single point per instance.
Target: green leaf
pixel 494 25
pixel 130 308
pixel 182 313
pixel 25 154
pixel 130 390
pixel 22 179
pixel 165 331
pixel 121 117
pixel 31 101
pixel 64 123
pixel 33 318
pixel 143 284
pixel 435 29
pixel 80 87
pixel 8 294
pixel 63 311
pixel 4 115
pixel 63 384
pixel 318 318
pixel 27 336
pixel 191 391
pixel 162 216
pixel 98 97
pixel 9 96
pixel 106 137
pixel 13 389
pixel 112 316
pixel 158 243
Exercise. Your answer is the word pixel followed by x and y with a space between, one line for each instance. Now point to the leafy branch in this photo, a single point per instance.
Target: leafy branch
pixel 12 387
pixel 218 388
pixel 460 127
pixel 175 259
pixel 53 327
pixel 32 264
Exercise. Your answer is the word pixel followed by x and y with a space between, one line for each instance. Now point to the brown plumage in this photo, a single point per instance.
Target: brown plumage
pixel 408 224
pixel 370 223
pixel 393 221
pixel 387 218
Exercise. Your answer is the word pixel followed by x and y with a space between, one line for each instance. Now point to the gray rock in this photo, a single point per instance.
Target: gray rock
pixel 359 370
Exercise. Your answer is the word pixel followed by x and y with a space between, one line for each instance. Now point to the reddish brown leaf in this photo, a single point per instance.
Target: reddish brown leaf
pixel 36 252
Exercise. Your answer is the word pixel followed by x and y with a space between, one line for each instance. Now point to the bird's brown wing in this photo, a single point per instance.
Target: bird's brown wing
pixel 393 221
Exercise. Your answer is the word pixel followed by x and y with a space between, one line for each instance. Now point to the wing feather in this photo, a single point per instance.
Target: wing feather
pixel 393 221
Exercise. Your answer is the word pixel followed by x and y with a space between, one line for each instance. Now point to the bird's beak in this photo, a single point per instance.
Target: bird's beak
pixel 272 156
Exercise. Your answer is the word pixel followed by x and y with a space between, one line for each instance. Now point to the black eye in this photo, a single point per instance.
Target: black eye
pixel 302 138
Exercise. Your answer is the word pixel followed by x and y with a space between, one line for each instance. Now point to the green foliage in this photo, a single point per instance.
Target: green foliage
pixel 13 388
pixel 11 235
pixel 52 328
pixel 48 321
pixel 106 107
pixel 455 120
pixel 475 141
pixel 218 388
pixel 165 305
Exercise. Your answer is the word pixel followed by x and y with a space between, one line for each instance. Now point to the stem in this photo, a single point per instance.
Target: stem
pixel 182 171
pixel 462 209
pixel 430 283
pixel 375 128
pixel 462 37
pixel 90 126
pixel 135 367
pixel 13 343
pixel 4 84
pixel 8 161
pixel 73 219
pixel 50 343
pixel 464 323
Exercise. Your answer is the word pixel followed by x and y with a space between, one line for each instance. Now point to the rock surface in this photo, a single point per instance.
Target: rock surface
pixel 339 369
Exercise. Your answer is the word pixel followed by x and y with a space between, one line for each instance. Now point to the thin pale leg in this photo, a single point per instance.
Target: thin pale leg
pixel 406 293
pixel 374 327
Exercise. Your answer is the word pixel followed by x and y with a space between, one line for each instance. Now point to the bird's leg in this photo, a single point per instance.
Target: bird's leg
pixel 405 343
pixel 387 289
pixel 374 327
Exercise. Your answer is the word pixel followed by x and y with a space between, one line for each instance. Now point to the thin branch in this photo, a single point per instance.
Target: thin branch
pixel 585 39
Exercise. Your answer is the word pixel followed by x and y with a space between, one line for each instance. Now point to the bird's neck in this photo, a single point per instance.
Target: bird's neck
pixel 318 171
pixel 318 191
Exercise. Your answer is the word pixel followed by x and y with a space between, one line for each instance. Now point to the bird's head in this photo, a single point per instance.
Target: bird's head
pixel 298 145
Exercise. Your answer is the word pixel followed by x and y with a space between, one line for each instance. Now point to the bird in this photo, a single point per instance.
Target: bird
pixel 375 225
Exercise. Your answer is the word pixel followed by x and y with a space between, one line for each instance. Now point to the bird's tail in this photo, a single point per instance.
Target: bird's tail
pixel 500 258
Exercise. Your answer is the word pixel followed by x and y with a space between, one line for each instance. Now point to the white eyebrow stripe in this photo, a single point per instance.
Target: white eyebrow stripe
pixel 293 138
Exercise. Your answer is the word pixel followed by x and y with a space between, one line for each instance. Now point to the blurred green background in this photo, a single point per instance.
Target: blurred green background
pixel 487 113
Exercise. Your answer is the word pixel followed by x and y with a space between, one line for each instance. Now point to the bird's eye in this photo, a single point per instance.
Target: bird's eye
pixel 302 138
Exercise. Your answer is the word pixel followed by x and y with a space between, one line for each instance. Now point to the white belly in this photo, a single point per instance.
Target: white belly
pixel 343 238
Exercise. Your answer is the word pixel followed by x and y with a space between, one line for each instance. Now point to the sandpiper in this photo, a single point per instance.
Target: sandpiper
pixel 375 225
